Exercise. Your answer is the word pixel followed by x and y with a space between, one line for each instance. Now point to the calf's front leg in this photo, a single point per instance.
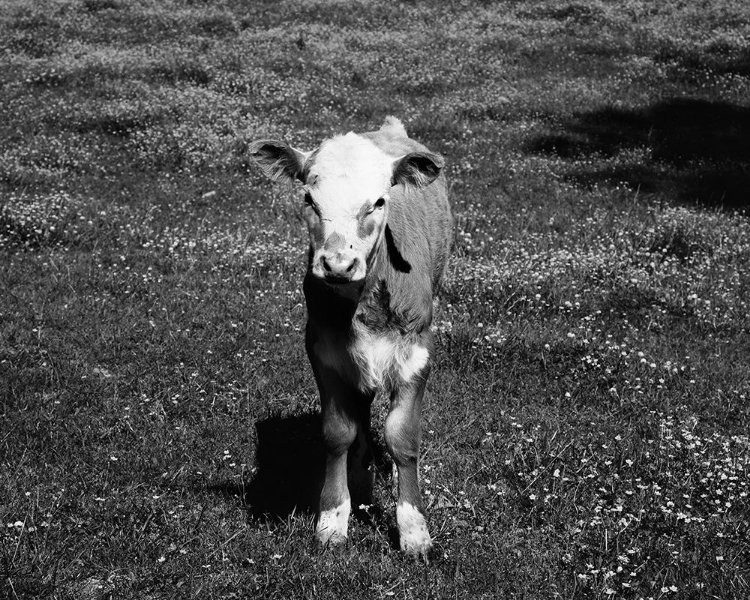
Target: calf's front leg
pixel 402 436
pixel 342 408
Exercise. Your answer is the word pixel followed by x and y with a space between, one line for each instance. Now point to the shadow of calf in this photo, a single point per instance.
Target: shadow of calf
pixel 289 469
pixel 289 466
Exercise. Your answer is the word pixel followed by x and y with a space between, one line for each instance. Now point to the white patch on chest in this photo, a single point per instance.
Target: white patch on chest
pixel 372 361
pixel 382 358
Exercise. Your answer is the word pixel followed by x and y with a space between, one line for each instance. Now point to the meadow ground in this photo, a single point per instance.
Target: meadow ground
pixel 586 427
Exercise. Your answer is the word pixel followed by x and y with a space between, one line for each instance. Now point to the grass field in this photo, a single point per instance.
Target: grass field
pixel 586 425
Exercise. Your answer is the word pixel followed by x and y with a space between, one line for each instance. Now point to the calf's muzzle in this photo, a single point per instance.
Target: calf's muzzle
pixel 338 267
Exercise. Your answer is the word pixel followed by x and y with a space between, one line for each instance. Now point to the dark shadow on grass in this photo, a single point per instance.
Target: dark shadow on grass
pixel 289 466
pixel 691 151
pixel 288 469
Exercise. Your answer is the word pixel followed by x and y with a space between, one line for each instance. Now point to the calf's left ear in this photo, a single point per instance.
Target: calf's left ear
pixel 417 169
pixel 279 160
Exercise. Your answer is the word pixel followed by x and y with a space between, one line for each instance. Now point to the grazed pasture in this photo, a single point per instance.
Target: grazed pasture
pixel 586 427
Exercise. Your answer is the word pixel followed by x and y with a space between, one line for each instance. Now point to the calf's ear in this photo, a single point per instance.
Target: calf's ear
pixel 279 160
pixel 417 169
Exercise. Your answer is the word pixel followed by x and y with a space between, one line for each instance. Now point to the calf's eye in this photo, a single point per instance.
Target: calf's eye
pixel 379 203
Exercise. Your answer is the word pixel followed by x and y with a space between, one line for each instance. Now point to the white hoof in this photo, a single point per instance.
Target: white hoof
pixel 333 525
pixel 412 529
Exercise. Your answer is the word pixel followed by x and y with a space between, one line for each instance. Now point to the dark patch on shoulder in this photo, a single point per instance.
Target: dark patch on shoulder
pixel 377 313
pixel 397 260
pixel 375 308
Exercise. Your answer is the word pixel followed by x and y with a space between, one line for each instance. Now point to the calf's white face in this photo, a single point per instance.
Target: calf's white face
pixel 346 197
pixel 346 184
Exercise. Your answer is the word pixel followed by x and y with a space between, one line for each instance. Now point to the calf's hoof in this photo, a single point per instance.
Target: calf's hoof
pixel 415 540
pixel 333 524
pixel 330 539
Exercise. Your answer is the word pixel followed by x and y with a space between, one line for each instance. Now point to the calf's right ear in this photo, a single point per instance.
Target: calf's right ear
pixel 417 169
pixel 279 160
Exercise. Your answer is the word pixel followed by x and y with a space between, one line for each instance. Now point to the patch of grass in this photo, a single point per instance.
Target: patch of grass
pixel 585 430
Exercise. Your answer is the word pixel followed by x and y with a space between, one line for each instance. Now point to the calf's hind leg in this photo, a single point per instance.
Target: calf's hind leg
pixel 402 436
pixel 360 473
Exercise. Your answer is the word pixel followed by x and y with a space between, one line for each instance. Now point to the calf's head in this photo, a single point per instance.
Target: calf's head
pixel 347 183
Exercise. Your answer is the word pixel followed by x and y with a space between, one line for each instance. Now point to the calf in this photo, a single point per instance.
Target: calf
pixel 380 228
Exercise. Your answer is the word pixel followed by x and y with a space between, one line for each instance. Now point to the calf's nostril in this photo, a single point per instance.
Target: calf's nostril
pixel 338 266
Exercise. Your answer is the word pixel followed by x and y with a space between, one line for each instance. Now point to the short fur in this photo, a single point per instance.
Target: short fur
pixel 370 332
